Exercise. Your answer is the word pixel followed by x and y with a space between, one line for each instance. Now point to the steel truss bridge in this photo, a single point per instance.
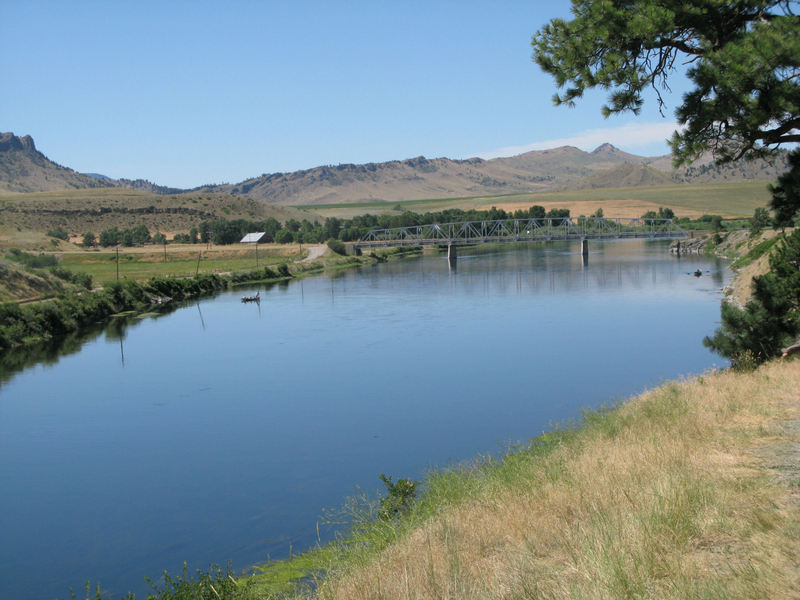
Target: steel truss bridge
pixel 520 230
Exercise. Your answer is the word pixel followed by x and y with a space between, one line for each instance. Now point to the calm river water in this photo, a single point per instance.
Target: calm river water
pixel 221 430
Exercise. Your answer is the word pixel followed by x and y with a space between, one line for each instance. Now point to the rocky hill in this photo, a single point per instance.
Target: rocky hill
pixel 24 169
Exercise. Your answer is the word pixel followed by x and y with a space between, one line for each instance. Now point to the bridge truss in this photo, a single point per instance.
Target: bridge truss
pixel 521 230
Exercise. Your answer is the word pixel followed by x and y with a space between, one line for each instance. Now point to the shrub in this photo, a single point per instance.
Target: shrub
pixel 32 261
pixel 401 496
pixel 337 246
pixel 58 233
pixel 284 236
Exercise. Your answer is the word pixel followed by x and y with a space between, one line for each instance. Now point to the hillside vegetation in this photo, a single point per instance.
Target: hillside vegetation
pixel 79 211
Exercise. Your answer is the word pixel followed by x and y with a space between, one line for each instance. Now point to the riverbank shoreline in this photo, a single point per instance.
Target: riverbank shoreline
pixel 749 424
pixel 31 324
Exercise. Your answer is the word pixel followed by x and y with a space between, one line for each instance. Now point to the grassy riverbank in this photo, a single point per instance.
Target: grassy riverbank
pixel 687 491
pixel 69 311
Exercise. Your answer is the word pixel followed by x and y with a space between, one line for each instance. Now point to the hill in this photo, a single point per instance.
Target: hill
pixel 79 211
pixel 419 178
pixel 25 169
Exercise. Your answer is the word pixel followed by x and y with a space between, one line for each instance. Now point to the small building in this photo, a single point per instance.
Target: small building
pixel 259 237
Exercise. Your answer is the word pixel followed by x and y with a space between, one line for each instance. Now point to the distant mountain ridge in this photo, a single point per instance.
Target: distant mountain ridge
pixel 25 169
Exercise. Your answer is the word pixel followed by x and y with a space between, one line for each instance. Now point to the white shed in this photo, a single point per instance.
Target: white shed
pixel 254 238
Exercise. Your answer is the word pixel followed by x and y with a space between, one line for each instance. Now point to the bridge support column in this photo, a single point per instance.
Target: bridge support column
pixel 356 251
pixel 584 247
pixel 452 254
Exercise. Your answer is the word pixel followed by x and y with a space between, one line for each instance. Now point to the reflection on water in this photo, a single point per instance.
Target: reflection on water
pixel 221 430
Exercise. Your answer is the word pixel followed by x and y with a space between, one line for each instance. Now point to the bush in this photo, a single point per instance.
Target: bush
pixel 401 496
pixel 58 233
pixel 82 279
pixel 284 236
pixel 337 246
pixel 283 270
pixel 32 261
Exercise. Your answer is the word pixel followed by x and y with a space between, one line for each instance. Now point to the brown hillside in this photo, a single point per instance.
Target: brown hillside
pixel 24 169
pixel 625 175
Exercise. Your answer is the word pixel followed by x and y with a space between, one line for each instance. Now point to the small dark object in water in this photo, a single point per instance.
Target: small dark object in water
pixel 256 298
pixel 698 273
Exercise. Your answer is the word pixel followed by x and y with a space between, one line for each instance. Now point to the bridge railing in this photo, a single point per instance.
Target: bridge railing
pixel 477 232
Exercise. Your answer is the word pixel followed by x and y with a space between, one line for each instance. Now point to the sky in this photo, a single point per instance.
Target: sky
pixel 191 93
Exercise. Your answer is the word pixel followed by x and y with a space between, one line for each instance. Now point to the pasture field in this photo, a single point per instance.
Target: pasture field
pixel 181 260
pixel 726 199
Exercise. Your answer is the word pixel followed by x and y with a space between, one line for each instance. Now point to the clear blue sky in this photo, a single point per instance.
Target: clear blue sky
pixel 187 93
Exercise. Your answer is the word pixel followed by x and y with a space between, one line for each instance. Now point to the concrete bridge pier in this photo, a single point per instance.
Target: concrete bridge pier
pixel 584 247
pixel 452 254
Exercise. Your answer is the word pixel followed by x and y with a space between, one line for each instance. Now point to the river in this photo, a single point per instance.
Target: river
pixel 220 431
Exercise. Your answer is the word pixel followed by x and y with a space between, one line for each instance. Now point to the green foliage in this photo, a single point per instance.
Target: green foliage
pixel 159 238
pixel 759 220
pixel 771 319
pixel 96 594
pixel 264 274
pixel 756 252
pixel 214 584
pixel 134 236
pixel 400 499
pixel 663 213
pixel 283 270
pixel 81 279
pixel 59 233
pixel 284 236
pixel 557 213
pixel 785 201
pixel 337 246
pixel 744 56
pixel 32 261
pixel 88 240
pixel 69 311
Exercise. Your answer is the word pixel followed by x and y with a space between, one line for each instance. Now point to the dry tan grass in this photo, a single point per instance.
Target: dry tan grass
pixel 627 208
pixel 666 499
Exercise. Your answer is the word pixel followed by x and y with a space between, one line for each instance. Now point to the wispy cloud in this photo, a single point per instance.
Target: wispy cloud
pixel 631 136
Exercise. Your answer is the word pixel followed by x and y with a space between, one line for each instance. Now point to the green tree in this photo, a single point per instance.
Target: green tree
pixel 110 237
pixel 758 221
pixel 785 200
pixel 771 319
pixel 284 236
pixel 89 240
pixel 744 57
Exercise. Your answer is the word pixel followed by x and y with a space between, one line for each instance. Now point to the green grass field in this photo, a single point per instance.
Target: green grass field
pixel 181 261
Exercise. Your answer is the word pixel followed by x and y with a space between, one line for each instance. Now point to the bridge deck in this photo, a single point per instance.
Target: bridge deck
pixel 521 230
